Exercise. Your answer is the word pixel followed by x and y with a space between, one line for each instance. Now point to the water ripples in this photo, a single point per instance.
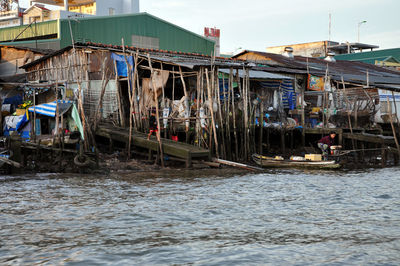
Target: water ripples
pixel 204 218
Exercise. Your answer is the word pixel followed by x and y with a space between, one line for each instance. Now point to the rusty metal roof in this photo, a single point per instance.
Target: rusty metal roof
pixel 189 60
pixel 350 71
pixel 35 50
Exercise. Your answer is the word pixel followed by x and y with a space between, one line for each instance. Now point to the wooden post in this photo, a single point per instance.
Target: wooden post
pixel 234 117
pixel 398 124
pixel 163 100
pixel 383 155
pixel 1 117
pixel 228 120
pixel 198 121
pixel 157 111
pixel 392 124
pixel 128 76
pixel 356 113
pixel 261 123
pixel 210 103
pixel 221 124
pixel 283 140
pixel 186 99
pixel 34 114
pixel 104 84
pixel 120 112
pixel 303 120
pixel 348 114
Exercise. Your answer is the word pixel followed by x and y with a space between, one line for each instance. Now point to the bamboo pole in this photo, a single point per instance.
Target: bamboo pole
pixel 248 114
pixel 392 125
pixel 57 109
pixel 121 118
pixel 163 99
pixel 104 83
pixel 198 121
pixel 129 71
pixel 1 116
pixel 348 114
pixel 34 115
pixel 227 118
pixel 186 98
pixel 395 109
pixel 261 122
pixel 303 119
pixel 234 117
pixel 210 103
pixel 221 127
pixel 157 113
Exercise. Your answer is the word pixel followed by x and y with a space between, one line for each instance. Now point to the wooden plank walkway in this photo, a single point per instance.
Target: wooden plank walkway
pixel 171 148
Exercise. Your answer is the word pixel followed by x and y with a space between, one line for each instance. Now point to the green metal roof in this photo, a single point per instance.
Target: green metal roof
pixel 390 55
pixel 111 29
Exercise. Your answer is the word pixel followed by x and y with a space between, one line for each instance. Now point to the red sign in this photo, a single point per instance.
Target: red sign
pixel 212 32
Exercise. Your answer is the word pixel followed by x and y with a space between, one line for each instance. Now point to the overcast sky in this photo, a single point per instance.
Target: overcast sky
pixel 256 24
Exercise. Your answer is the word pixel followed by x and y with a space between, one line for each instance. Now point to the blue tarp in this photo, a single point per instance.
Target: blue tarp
pixel 121 64
pixel 22 123
pixel 49 109
pixel 16 100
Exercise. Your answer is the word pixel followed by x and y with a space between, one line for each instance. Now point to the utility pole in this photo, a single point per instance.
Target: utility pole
pixel 359 24
pixel 330 27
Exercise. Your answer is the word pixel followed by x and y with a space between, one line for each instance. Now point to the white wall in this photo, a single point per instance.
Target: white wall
pixel 120 7
pixel 382 115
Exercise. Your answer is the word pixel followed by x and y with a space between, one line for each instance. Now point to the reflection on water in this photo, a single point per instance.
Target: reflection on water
pixel 183 217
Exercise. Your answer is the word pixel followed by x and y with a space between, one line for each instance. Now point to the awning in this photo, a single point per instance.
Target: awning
pixel 254 74
pixel 49 109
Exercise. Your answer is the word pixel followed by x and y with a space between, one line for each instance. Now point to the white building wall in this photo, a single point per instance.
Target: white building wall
pixel 382 116
pixel 119 6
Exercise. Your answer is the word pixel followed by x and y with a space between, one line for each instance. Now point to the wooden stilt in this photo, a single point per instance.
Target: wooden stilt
pixel 234 116
pixel 392 125
pixel 157 111
pixel 210 103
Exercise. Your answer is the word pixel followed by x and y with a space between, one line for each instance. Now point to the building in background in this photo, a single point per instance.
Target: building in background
pixel 139 30
pixel 214 34
pixel 95 7
pixel 389 58
pixel 321 48
pixel 10 13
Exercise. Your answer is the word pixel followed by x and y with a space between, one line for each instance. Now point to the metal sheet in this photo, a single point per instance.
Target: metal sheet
pixel 258 74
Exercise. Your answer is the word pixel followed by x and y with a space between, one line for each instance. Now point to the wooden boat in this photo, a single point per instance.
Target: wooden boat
pixel 270 162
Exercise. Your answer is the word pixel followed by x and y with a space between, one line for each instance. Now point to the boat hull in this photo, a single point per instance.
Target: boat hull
pixel 267 162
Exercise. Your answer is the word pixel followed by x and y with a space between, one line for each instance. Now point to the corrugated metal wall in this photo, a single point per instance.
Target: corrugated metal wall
pixel 110 30
pixel 42 28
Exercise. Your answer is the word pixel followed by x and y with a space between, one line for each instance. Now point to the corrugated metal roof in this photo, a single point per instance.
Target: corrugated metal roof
pixel 189 60
pixel 370 55
pixel 35 50
pixel 111 29
pixel 350 71
pixel 257 74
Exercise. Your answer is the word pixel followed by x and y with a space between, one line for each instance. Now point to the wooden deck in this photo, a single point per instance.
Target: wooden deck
pixel 172 148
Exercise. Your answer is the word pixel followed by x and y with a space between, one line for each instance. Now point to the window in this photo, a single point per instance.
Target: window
pixel 145 42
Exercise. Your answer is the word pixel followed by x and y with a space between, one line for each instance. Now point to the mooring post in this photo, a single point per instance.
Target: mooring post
pixel 383 155
pixel 283 141
pixel 15 147
pixel 189 160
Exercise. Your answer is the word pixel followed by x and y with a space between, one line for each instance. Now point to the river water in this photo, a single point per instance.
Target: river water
pixel 286 217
